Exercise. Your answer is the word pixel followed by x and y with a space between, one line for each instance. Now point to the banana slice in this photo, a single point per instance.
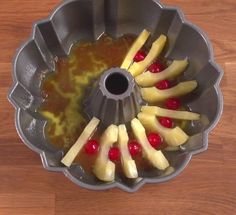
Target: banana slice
pixel 128 164
pixel 83 138
pixel 148 79
pixel 152 94
pixel 156 158
pixel 172 136
pixel 156 49
pixel 104 169
pixel 137 45
pixel 184 115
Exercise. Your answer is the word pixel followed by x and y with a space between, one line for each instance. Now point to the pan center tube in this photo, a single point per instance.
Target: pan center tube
pixel 115 98
pixel 117 83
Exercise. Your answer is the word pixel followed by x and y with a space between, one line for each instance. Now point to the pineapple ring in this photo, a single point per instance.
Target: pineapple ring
pixel 184 115
pixel 148 79
pixel 83 138
pixel 156 49
pixel 155 157
pixel 152 94
pixel 172 136
pixel 138 44
pixel 128 164
pixel 104 169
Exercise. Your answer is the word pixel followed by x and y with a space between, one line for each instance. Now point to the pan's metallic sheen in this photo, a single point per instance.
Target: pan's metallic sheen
pixel 74 20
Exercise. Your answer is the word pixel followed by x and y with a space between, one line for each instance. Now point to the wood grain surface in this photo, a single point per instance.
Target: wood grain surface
pixel 207 186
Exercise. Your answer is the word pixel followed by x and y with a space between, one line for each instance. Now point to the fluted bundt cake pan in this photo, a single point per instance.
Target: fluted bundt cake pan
pixel 76 20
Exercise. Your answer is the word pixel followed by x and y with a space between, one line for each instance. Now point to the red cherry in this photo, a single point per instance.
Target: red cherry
pixel 166 122
pixel 134 147
pixel 140 56
pixel 114 154
pixel 92 147
pixel 154 139
pixel 173 103
pixel 162 85
pixel 156 67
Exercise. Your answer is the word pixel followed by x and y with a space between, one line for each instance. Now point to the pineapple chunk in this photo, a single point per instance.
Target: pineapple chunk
pixel 172 136
pixel 148 79
pixel 172 148
pixel 128 164
pixel 83 138
pixel 156 158
pixel 184 115
pixel 104 169
pixel 152 94
pixel 156 49
pixel 138 44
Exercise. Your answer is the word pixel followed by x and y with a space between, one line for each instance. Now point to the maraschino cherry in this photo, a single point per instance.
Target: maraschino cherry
pixel 156 67
pixel 134 147
pixel 173 103
pixel 166 122
pixel 163 85
pixel 92 147
pixel 140 56
pixel 114 154
pixel 154 139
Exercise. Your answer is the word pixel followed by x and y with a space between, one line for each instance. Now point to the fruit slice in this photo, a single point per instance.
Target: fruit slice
pixel 184 115
pixel 172 148
pixel 172 136
pixel 156 158
pixel 137 45
pixel 128 164
pixel 104 169
pixel 82 140
pixel 152 94
pixel 148 79
pixel 156 49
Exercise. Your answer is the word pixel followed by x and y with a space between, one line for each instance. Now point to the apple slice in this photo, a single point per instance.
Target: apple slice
pixel 148 79
pixel 82 140
pixel 128 164
pixel 156 158
pixel 184 115
pixel 156 49
pixel 152 94
pixel 172 136
pixel 104 169
pixel 137 45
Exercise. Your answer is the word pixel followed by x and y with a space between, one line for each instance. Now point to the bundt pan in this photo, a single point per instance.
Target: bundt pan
pixel 74 20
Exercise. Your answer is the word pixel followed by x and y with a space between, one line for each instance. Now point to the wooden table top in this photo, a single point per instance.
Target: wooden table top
pixel 207 185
